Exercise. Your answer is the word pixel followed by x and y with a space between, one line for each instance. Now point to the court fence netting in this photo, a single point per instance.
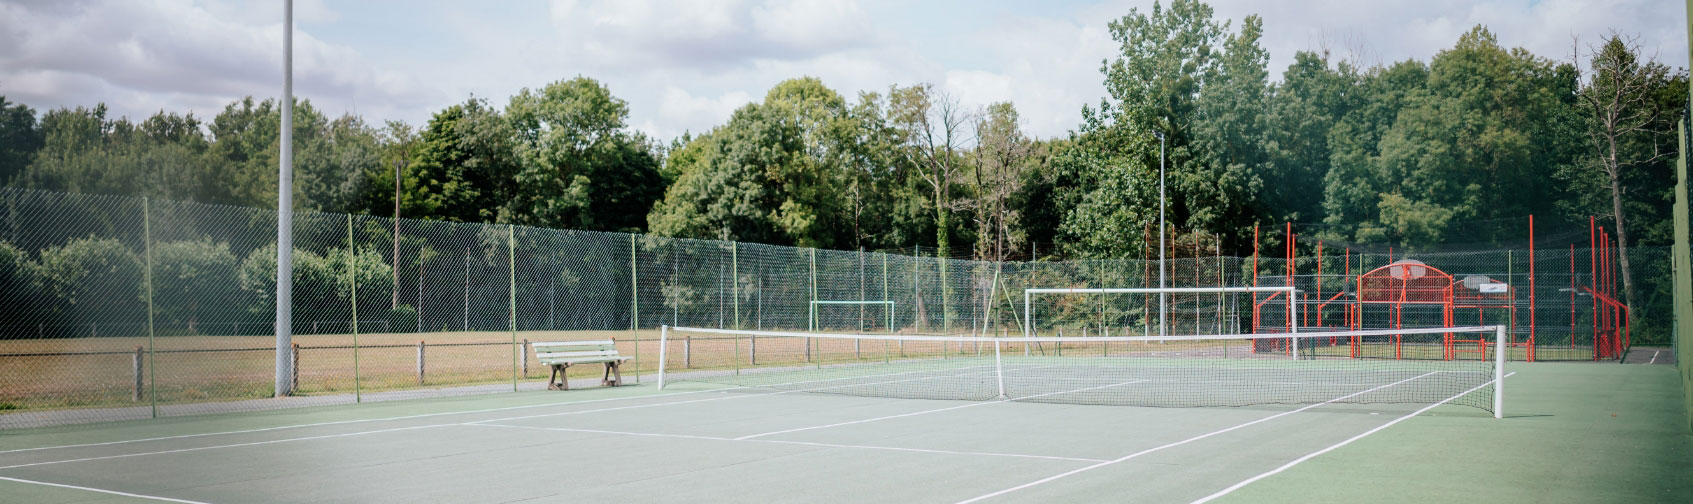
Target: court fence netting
pixel 121 308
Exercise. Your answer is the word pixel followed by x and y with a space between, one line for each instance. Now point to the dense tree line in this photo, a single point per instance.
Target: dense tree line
pixel 1403 153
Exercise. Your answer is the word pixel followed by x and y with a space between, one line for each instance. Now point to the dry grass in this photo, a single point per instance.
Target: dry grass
pixel 100 372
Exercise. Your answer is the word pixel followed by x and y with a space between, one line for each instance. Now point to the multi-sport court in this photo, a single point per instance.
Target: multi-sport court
pixel 870 418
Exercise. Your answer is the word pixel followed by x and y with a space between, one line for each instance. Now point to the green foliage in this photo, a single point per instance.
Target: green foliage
pixel 465 166
pixel 193 275
pixel 19 138
pixel 581 168
pixel 20 288
pixel 321 282
pixel 93 279
pixel 767 176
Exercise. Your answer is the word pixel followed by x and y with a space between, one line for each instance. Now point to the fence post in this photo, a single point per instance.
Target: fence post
pixel 294 367
pixel 147 244
pixel 353 281
pixel 635 307
pixel 811 314
pixel 735 293
pixel 136 395
pixel 420 362
pixel 511 291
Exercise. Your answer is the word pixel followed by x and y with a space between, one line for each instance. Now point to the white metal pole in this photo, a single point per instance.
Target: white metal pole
pixel 285 214
pixel 1499 371
pixel 663 351
pixel 1163 305
pixel 999 370
pixel 1293 321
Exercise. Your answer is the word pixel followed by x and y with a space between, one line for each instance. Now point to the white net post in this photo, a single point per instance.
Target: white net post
pixel 999 371
pixel 1500 348
pixel 1293 320
pixel 663 353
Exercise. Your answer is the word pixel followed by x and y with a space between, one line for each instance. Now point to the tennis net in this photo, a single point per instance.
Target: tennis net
pixel 1392 366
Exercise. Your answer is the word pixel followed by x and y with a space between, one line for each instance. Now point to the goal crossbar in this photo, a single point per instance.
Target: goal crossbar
pixel 849 302
pixel 1029 314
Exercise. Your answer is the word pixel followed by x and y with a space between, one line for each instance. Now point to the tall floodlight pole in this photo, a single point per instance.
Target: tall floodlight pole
pixel 1163 305
pixel 285 213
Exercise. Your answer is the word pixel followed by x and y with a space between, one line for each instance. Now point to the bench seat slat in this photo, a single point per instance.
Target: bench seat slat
pixel 573 343
pixel 571 355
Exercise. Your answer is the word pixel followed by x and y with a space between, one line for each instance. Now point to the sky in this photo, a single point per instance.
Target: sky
pixel 686 65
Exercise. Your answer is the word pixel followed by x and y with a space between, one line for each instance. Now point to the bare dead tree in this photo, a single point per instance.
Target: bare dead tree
pixel 933 123
pixel 1624 126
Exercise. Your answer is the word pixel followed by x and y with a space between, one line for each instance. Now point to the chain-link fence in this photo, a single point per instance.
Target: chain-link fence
pixel 119 308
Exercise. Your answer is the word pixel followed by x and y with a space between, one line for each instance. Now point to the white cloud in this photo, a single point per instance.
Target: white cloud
pixel 686 65
pixel 168 54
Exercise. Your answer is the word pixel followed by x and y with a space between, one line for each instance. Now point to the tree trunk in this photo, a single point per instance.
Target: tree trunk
pixel 1622 247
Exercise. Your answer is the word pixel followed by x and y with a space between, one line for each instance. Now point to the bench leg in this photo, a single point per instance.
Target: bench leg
pixel 613 375
pixel 560 379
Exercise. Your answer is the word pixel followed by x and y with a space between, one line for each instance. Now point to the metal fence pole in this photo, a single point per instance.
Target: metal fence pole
pixel 135 394
pixel 353 279
pixel 811 314
pixel 635 307
pixel 735 293
pixel 511 292
pixel 420 362
pixel 147 245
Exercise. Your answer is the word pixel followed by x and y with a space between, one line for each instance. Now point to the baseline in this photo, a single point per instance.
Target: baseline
pixel 101 490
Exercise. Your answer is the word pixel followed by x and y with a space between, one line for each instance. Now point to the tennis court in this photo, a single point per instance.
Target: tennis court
pixel 698 441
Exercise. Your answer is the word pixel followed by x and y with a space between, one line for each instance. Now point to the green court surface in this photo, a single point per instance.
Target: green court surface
pixel 1573 432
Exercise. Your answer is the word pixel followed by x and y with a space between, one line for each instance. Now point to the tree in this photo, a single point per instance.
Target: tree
pixel 770 175
pixel 1627 129
pixel 1231 125
pixel 1459 146
pixel 93 280
pixel 1002 156
pixel 191 277
pixel 20 290
pixel 931 125
pixel 19 138
pixel 581 168
pixel 465 166
pixel 1314 95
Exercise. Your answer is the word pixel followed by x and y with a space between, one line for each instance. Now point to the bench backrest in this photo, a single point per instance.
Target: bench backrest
pixel 574 352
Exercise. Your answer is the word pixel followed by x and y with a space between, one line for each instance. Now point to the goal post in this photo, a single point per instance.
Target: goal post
pixel 816 305
pixel 1029 294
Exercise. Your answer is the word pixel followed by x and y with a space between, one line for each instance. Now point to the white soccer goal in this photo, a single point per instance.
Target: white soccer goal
pixel 886 306
pixel 1209 316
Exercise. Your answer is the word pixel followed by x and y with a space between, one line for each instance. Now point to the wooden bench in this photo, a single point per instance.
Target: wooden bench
pixel 561 354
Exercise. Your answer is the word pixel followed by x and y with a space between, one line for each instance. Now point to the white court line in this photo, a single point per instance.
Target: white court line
pixel 255 443
pixel 104 491
pixel 806 443
pixel 1184 441
pixel 925 412
pixel 340 422
pixel 1348 441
